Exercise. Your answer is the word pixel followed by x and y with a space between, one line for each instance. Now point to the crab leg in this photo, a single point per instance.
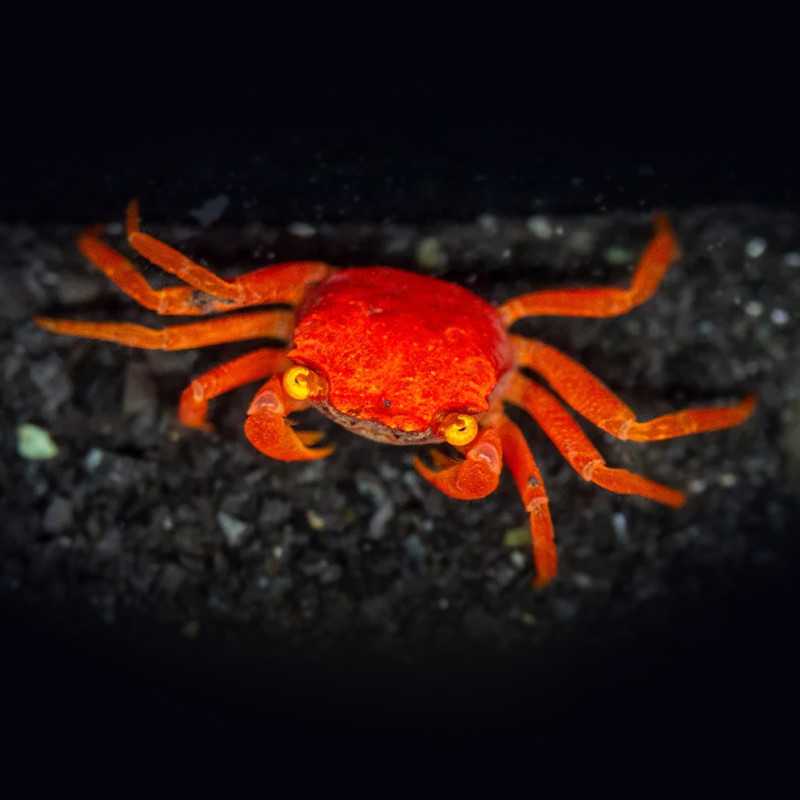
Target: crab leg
pixel 193 406
pixel 531 488
pixel 280 283
pixel 605 301
pixel 207 293
pixel 269 431
pixel 477 476
pixel 118 269
pixel 595 401
pixel 274 323
pixel 575 446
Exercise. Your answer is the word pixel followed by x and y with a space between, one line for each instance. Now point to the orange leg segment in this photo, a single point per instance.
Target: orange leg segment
pixel 193 406
pixel 595 401
pixel 207 293
pixel 275 323
pixel 280 283
pixel 173 300
pixel 607 301
pixel 269 431
pixel 477 476
pixel 575 446
pixel 531 488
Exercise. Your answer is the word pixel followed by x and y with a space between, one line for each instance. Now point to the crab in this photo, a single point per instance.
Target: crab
pixel 404 359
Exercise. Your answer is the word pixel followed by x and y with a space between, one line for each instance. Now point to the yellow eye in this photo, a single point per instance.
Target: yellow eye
pixel 462 430
pixel 297 382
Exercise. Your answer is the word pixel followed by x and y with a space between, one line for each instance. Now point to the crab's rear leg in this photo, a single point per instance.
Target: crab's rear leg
pixel 477 476
pixel 595 401
pixel 272 323
pixel 575 446
pixel 280 283
pixel 605 301
pixel 207 293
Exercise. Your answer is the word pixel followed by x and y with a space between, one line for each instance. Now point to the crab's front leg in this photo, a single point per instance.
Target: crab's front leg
pixel 266 425
pixel 478 474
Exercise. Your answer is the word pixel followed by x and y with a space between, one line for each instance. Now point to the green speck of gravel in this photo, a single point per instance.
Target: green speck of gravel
pixel 34 443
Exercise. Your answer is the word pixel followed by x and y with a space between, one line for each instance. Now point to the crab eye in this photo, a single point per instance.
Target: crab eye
pixel 301 383
pixel 460 429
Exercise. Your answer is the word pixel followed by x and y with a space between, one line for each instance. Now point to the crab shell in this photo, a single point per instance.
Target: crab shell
pixel 399 350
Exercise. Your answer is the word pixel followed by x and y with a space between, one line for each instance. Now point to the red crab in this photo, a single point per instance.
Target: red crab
pixel 404 359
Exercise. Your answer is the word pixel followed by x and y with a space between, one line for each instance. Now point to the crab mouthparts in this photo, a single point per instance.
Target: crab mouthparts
pixel 377 431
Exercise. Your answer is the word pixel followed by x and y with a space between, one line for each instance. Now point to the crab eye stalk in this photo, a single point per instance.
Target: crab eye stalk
pixel 459 429
pixel 301 383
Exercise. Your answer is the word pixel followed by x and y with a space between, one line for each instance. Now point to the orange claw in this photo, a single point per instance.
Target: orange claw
pixel 476 476
pixel 267 429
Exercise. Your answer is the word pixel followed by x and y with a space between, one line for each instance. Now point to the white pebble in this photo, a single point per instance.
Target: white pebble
pixel 755 247
pixel 754 309
pixel 232 529
pixel 488 224
pixel 93 459
pixel 540 227
pixel 779 316
pixel 727 479
pixel 302 230
pixel 620 525
pixel 792 259
pixel 517 559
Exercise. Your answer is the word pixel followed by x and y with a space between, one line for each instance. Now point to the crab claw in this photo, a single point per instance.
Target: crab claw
pixel 476 476
pixel 267 429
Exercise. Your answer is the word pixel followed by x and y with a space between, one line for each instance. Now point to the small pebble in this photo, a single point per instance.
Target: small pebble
pixel 754 309
pixel 58 517
pixel 316 522
pixel 191 629
pixel 430 254
pixel 415 549
pixel 233 529
pixel 93 459
pixel 620 525
pixel 211 210
pixel 792 259
pixel 779 316
pixel 488 224
pixel 727 479
pixel 755 247
pixel 34 443
pixel 517 537
pixel 582 580
pixel 617 254
pixel 302 230
pixel 540 227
